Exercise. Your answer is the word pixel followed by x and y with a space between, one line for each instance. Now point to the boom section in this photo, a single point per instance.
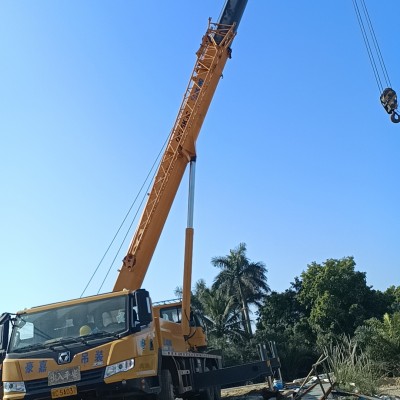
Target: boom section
pixel 211 59
pixel 232 13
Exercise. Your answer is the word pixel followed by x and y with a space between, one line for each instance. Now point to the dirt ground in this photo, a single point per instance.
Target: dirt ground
pixel 391 387
pixel 261 391
pixel 250 392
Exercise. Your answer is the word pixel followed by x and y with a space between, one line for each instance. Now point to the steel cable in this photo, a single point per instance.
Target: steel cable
pixel 374 51
pixel 152 170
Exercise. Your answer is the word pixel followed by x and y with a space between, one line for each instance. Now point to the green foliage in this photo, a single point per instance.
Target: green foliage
pixel 337 298
pixel 222 316
pixel 381 341
pixel 224 325
pixel 296 356
pixel 243 281
pixel 393 295
pixel 280 310
pixel 282 318
pixel 328 301
pixel 239 351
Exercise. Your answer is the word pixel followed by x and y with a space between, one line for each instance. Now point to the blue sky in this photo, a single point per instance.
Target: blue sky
pixel 296 158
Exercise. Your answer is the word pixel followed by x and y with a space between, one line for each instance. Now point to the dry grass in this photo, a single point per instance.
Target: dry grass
pixel 353 370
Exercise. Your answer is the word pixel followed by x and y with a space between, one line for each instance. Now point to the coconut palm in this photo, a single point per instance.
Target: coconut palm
pixel 221 316
pixel 243 281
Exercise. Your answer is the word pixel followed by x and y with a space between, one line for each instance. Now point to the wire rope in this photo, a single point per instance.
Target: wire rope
pixel 152 170
pixel 388 96
pixel 376 44
pixel 367 45
pixel 124 239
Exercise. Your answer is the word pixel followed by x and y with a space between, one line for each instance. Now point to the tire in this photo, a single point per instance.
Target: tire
pixel 167 387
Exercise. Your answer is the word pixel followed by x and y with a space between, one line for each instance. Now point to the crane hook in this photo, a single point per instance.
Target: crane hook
pixel 395 117
pixel 389 102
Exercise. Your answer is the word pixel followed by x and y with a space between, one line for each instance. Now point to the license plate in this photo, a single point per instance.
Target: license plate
pixel 64 392
pixel 64 376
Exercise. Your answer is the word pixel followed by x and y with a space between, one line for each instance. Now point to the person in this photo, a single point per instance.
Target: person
pixel 87 325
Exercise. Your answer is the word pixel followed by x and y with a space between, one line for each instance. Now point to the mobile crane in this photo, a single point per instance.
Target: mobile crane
pixel 118 344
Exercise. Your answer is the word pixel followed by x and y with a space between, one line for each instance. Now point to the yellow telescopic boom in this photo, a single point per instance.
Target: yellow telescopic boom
pixel 211 58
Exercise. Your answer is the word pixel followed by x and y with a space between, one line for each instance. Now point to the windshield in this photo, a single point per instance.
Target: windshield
pixel 76 322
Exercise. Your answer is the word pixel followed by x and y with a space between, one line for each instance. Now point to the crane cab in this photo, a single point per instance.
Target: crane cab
pixel 170 316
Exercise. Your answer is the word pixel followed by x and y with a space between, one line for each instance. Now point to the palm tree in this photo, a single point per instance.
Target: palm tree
pixel 221 316
pixel 243 281
pixel 380 339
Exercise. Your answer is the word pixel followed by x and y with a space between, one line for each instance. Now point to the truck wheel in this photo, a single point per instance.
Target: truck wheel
pixel 167 387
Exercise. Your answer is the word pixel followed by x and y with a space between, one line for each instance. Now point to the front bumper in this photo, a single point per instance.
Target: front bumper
pixel 90 386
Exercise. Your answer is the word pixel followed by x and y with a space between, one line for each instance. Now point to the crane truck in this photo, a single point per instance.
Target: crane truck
pixel 118 344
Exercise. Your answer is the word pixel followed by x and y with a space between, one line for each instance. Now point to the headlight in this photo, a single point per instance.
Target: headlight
pixel 119 367
pixel 14 387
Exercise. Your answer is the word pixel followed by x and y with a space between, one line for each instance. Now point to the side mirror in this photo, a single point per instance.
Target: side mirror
pixel 143 303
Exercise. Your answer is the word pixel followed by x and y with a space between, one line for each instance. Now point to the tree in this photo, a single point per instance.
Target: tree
pixel 393 295
pixel 242 280
pixel 282 319
pixel 280 311
pixel 337 298
pixel 222 318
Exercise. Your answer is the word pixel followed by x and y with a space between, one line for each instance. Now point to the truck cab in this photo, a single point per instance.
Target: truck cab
pixel 80 346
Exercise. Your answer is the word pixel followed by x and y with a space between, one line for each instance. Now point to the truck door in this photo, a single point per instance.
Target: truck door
pixel 4 334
